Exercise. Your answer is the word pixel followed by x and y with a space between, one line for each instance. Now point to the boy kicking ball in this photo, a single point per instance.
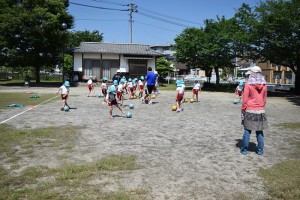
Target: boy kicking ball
pixel 64 91
pixel 112 101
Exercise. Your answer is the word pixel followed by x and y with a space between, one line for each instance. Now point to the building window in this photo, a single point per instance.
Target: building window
pixel 288 75
pixel 277 75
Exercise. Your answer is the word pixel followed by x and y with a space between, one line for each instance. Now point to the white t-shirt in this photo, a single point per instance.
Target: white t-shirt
pixel 129 84
pixel 141 82
pixel 90 82
pixel 183 86
pixel 120 88
pixel 104 86
pixel 64 89
pixel 197 86
pixel 180 90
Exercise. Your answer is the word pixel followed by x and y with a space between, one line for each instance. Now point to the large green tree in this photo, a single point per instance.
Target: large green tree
pixel 75 37
pixel 278 30
pixel 31 32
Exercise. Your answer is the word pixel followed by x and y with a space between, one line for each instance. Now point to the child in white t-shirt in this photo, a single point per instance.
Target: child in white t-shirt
pixel 120 91
pixel 179 96
pixel 90 86
pixel 239 91
pixel 141 86
pixel 196 89
pixel 64 92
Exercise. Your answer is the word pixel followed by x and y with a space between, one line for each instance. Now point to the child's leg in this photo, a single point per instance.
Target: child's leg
pixel 110 111
pixel 120 109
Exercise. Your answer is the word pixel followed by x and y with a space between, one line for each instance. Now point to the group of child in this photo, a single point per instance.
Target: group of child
pixel 180 90
pixel 114 95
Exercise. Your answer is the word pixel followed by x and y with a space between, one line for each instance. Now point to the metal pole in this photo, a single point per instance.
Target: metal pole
pixel 64 26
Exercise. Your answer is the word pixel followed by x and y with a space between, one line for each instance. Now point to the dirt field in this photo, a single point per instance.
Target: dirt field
pixel 193 154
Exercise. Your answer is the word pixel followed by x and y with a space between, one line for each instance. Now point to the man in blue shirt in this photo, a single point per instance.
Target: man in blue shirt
pixel 150 78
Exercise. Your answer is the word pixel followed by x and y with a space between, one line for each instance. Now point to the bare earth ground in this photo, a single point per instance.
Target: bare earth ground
pixel 189 155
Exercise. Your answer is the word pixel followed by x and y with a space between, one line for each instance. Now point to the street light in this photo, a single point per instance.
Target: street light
pixel 64 26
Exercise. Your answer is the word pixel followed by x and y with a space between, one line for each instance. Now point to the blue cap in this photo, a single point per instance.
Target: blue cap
pixel 112 90
pixel 179 84
pixel 129 79
pixel 142 78
pixel 115 82
pixel 241 83
pixel 91 77
pixel 67 83
pixel 196 79
pixel 122 80
pixel 104 78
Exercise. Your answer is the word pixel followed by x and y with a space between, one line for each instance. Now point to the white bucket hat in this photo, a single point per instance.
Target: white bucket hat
pixel 255 69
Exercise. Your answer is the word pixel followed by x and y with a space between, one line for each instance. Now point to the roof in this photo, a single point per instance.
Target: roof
pixel 180 66
pixel 100 47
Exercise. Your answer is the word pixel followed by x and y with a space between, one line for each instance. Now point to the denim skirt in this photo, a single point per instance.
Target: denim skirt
pixel 255 122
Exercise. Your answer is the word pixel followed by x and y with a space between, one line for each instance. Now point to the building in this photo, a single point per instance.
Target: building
pixel 277 74
pixel 100 59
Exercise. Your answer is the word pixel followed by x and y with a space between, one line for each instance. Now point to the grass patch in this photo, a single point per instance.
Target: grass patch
pixel 283 180
pixel 16 143
pixel 22 98
pixel 70 181
pixel 291 125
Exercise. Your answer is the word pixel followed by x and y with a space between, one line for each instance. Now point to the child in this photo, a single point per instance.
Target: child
pixel 239 91
pixel 141 87
pixel 90 86
pixel 130 88
pixel 64 90
pixel 103 87
pixel 120 89
pixel 112 101
pixel 196 89
pixel 179 96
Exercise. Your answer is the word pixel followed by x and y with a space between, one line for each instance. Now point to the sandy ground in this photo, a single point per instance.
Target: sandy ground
pixel 193 154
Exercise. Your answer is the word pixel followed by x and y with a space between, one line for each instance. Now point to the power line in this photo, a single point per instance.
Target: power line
pixel 163 20
pixel 97 7
pixel 160 14
pixel 110 2
pixel 101 19
pixel 155 26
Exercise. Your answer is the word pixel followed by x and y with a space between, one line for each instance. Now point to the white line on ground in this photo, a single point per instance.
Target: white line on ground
pixel 28 110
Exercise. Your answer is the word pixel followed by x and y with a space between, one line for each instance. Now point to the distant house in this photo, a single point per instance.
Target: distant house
pixel 104 59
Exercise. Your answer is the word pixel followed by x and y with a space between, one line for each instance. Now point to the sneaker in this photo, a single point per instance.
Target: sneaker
pixel 260 153
pixel 244 151
pixel 150 103
pixel 62 109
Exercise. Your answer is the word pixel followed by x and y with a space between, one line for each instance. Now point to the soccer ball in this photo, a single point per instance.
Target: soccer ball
pixel 186 100
pixel 131 106
pixel 128 114
pixel 100 95
pixel 192 100
pixel 66 108
pixel 134 97
pixel 153 97
pixel 236 101
pixel 174 107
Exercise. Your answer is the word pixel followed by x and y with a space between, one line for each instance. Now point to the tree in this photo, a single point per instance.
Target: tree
pixel 31 33
pixel 163 67
pixel 278 30
pixel 75 37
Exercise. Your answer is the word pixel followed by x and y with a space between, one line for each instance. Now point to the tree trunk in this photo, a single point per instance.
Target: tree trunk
pixel 297 81
pixel 37 74
pixel 217 76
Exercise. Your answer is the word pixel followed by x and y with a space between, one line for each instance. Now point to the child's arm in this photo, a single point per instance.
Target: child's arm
pixel 58 90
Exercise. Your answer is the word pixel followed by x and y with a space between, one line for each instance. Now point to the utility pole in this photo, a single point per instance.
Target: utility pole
pixel 133 8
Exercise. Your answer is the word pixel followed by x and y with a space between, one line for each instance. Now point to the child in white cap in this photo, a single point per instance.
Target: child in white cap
pixel 90 86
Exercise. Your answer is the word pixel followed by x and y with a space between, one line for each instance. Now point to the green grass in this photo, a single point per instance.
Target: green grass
pixel 67 181
pixel 22 98
pixel 291 125
pixel 283 179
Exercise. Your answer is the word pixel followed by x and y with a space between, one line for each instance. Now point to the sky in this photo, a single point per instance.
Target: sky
pixel 156 22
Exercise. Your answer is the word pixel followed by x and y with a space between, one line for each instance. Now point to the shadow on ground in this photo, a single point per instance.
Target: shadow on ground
pixel 251 148
pixel 294 100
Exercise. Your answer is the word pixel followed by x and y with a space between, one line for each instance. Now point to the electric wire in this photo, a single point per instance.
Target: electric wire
pixel 155 26
pixel 168 16
pixel 97 7
pixel 110 2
